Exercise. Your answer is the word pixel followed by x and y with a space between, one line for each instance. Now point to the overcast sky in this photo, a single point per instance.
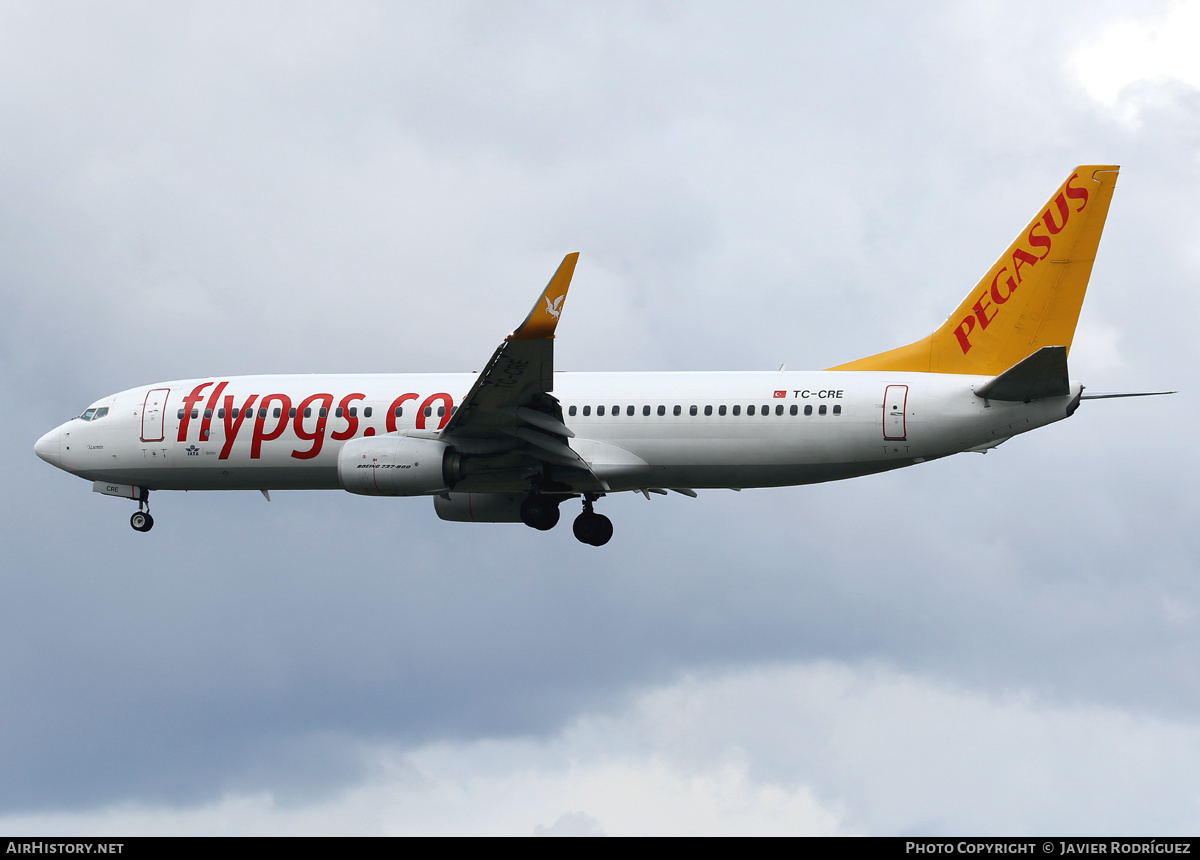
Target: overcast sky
pixel 993 644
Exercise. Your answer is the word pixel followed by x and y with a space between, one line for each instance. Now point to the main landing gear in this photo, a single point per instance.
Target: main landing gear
pixel 540 511
pixel 141 520
pixel 591 527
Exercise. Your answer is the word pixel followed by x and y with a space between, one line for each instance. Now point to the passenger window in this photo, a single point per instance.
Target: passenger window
pixel 207 413
pixel 737 410
pixel 676 411
pixel 428 411
pixel 616 410
pixel 662 410
pixel 399 411
pixel 323 413
pixel 821 410
pixel 337 413
pixel 221 414
pixel 766 409
pixel 87 417
pixel 571 411
pixel 793 410
pixel 749 410
pixel 292 412
pixel 628 410
pixel 599 410
pixel 587 410
pixel 195 414
pixel 837 409
pixel 721 410
pixel 233 413
pixel 366 411
pixel 808 410
pixel 708 410
pixel 779 409
pixel 453 409
pixel 645 410
pixel 277 412
pixel 307 412
pixel 692 410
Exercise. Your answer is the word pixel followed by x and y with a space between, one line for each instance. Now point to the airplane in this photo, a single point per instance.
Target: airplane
pixel 516 440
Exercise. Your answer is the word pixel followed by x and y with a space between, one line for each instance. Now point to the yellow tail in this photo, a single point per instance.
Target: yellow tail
pixel 1029 299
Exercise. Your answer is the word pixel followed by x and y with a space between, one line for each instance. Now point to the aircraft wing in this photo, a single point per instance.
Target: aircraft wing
pixel 510 405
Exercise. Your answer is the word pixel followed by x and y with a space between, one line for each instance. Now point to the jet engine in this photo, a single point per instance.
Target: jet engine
pixel 395 465
pixel 480 507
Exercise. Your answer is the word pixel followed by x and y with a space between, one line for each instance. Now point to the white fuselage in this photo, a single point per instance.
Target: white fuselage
pixel 692 430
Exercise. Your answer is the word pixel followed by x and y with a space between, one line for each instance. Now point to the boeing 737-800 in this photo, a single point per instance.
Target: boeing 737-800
pixel 516 440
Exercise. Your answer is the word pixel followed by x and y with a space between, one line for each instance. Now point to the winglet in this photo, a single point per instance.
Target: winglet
pixel 546 310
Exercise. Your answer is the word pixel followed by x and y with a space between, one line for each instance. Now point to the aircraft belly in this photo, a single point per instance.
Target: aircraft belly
pixel 234 478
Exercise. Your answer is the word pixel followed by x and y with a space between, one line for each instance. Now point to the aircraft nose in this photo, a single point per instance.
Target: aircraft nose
pixel 48 447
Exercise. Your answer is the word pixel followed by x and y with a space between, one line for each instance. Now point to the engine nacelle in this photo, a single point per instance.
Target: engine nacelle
pixel 396 465
pixel 480 507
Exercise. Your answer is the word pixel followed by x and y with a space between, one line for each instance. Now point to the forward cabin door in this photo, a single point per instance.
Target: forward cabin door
pixel 152 414
pixel 895 404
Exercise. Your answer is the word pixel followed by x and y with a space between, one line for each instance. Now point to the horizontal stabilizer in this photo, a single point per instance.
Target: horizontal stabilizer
pixel 1043 374
pixel 1109 395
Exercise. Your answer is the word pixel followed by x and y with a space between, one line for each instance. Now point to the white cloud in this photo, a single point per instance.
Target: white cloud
pixel 1126 66
pixel 791 749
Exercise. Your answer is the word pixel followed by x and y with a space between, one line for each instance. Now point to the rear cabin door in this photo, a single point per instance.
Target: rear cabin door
pixel 895 403
pixel 153 414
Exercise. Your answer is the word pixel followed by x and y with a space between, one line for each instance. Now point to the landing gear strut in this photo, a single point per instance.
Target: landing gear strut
pixel 142 521
pixel 590 527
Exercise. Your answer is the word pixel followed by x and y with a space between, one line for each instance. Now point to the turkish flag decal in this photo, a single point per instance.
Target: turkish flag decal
pixel 781 394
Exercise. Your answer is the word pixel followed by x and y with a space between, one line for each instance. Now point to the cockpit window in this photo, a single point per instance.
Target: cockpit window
pixel 89 414
pixel 100 413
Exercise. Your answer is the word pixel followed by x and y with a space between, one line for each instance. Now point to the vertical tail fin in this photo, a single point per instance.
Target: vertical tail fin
pixel 1029 299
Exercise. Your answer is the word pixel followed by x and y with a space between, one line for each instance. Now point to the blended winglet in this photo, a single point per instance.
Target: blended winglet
pixel 1031 296
pixel 543 319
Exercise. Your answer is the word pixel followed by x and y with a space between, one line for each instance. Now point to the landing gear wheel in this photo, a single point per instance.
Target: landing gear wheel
pixel 142 521
pixel 539 512
pixel 592 528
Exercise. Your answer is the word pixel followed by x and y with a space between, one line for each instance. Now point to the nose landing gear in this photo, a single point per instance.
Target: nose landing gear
pixel 141 520
pixel 590 527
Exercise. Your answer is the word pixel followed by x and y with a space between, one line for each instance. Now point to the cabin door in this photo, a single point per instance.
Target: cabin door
pixel 895 404
pixel 153 414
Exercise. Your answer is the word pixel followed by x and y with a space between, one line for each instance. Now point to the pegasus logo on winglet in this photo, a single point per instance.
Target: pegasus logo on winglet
pixel 556 308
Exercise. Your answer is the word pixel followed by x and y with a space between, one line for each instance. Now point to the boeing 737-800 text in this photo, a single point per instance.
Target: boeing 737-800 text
pixel 515 441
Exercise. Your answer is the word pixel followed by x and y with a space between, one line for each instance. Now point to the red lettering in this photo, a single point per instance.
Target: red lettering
pixel 448 403
pixel 1012 285
pixel 188 402
pixel 964 329
pixel 1063 213
pixel 1039 241
pixel 1079 194
pixel 233 425
pixel 208 410
pixel 981 311
pixel 260 436
pixel 1020 256
pixel 397 404
pixel 318 436
pixel 351 420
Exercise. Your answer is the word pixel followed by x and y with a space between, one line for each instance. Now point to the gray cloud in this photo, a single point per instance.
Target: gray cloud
pixel 219 189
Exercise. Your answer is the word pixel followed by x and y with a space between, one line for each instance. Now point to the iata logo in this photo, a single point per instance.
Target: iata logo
pixel 554 309
pixel 192 450
pixel 987 306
